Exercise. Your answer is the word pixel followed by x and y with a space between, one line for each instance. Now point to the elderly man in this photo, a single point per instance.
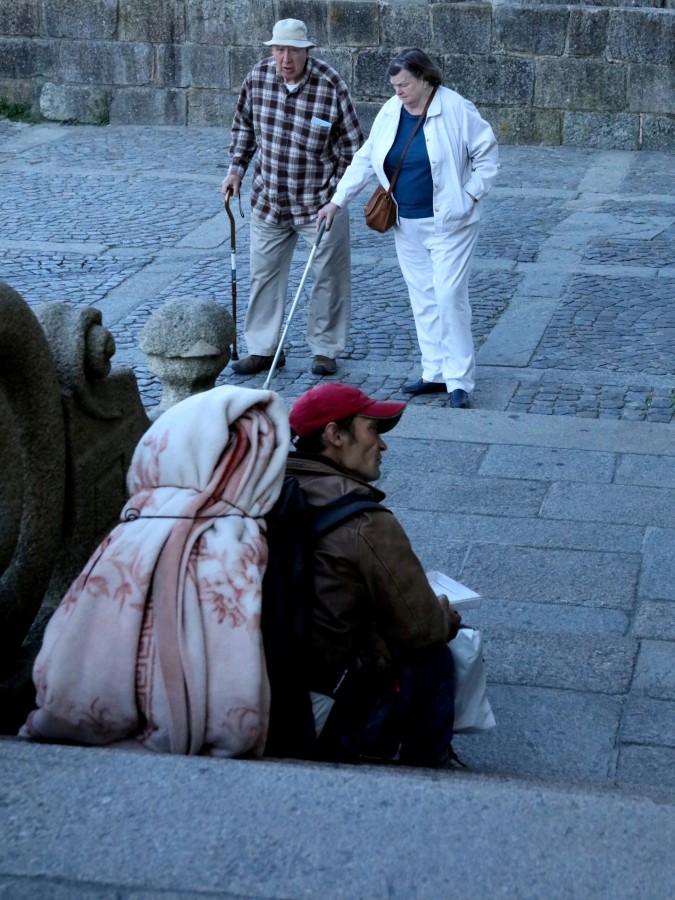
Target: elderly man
pixel 295 116
pixel 380 661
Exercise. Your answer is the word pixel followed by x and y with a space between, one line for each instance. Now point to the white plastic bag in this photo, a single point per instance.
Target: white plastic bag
pixel 472 707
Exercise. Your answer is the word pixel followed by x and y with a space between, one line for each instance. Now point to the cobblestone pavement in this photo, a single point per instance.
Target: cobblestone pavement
pixel 573 287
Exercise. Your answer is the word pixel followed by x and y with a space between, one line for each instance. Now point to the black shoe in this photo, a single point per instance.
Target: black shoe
pixel 416 388
pixel 251 365
pixel 459 399
pixel 450 761
pixel 323 365
pixel 447 760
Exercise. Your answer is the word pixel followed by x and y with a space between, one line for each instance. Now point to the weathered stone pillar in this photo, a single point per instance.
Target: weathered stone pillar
pixel 187 342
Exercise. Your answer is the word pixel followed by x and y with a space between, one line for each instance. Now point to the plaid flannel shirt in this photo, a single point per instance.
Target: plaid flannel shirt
pixel 297 161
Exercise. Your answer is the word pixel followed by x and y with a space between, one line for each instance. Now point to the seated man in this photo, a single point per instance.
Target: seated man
pixel 379 632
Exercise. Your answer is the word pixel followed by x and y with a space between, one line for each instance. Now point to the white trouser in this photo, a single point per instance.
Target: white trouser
pixel 329 311
pixel 436 269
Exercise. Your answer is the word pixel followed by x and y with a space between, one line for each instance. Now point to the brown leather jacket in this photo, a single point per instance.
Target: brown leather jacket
pixel 374 606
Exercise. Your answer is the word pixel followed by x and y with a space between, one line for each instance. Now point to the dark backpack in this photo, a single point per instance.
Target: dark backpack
pixel 293 526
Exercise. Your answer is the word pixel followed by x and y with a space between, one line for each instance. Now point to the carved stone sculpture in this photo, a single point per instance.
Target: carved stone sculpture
pixel 33 473
pixel 104 420
pixel 70 427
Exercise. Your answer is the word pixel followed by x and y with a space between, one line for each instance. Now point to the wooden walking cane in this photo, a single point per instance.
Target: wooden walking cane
pixel 233 266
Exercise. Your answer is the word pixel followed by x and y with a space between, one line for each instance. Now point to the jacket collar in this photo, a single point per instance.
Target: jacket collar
pixel 322 466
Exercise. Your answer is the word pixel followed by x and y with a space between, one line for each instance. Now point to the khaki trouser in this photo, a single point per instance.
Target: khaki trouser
pixel 329 311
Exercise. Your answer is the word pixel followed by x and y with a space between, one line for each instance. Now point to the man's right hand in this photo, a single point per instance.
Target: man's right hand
pixel 327 212
pixel 232 183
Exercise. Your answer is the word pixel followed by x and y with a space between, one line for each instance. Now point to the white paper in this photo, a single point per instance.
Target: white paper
pixel 460 596
pixel 322 123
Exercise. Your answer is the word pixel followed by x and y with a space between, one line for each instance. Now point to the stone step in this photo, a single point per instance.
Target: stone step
pixel 99 823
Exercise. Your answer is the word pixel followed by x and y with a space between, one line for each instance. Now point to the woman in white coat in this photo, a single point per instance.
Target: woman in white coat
pixel 447 170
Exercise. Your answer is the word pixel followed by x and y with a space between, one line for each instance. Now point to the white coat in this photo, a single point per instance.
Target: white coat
pixel 462 152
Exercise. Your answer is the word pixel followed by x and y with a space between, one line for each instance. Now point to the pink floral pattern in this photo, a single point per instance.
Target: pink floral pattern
pixel 158 640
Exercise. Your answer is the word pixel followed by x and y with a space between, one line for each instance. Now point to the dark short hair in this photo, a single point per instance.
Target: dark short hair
pixel 315 442
pixel 418 64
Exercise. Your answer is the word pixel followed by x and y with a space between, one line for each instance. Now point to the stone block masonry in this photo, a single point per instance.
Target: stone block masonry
pixel 600 75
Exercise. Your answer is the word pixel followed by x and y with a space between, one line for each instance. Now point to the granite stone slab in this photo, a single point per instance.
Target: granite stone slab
pixel 548 464
pixel 658 471
pixel 657 580
pixel 648 721
pixel 503 427
pixel 508 530
pixel 655 670
pixel 459 494
pixel 598 664
pixel 641 766
pixel 496 613
pixel 423 456
pixel 575 577
pixel 547 734
pixel 655 620
pixel 611 503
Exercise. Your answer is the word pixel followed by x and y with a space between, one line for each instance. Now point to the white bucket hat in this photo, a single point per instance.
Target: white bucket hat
pixel 289 33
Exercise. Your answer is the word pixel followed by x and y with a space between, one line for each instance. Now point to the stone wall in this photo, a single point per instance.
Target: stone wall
pixel 600 75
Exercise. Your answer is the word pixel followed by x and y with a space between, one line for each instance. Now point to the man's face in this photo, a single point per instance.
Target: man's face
pixel 290 62
pixel 362 449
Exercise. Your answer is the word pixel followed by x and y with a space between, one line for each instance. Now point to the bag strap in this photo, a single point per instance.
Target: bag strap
pixel 420 121
pixel 327 517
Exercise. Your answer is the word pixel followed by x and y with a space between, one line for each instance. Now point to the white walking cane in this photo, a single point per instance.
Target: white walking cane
pixel 293 305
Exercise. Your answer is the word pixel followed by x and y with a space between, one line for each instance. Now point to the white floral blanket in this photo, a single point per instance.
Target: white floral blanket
pixel 157 643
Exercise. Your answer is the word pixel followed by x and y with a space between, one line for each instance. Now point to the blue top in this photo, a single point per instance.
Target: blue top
pixel 414 190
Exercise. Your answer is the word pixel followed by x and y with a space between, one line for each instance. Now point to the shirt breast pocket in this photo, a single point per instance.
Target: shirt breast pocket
pixel 313 137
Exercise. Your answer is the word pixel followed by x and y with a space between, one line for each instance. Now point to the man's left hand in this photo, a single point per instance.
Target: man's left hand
pixel 453 617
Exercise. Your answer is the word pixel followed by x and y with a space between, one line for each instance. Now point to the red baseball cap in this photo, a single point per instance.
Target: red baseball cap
pixel 331 402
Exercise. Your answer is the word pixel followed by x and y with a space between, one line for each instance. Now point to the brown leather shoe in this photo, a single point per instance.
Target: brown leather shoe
pixel 323 365
pixel 251 365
